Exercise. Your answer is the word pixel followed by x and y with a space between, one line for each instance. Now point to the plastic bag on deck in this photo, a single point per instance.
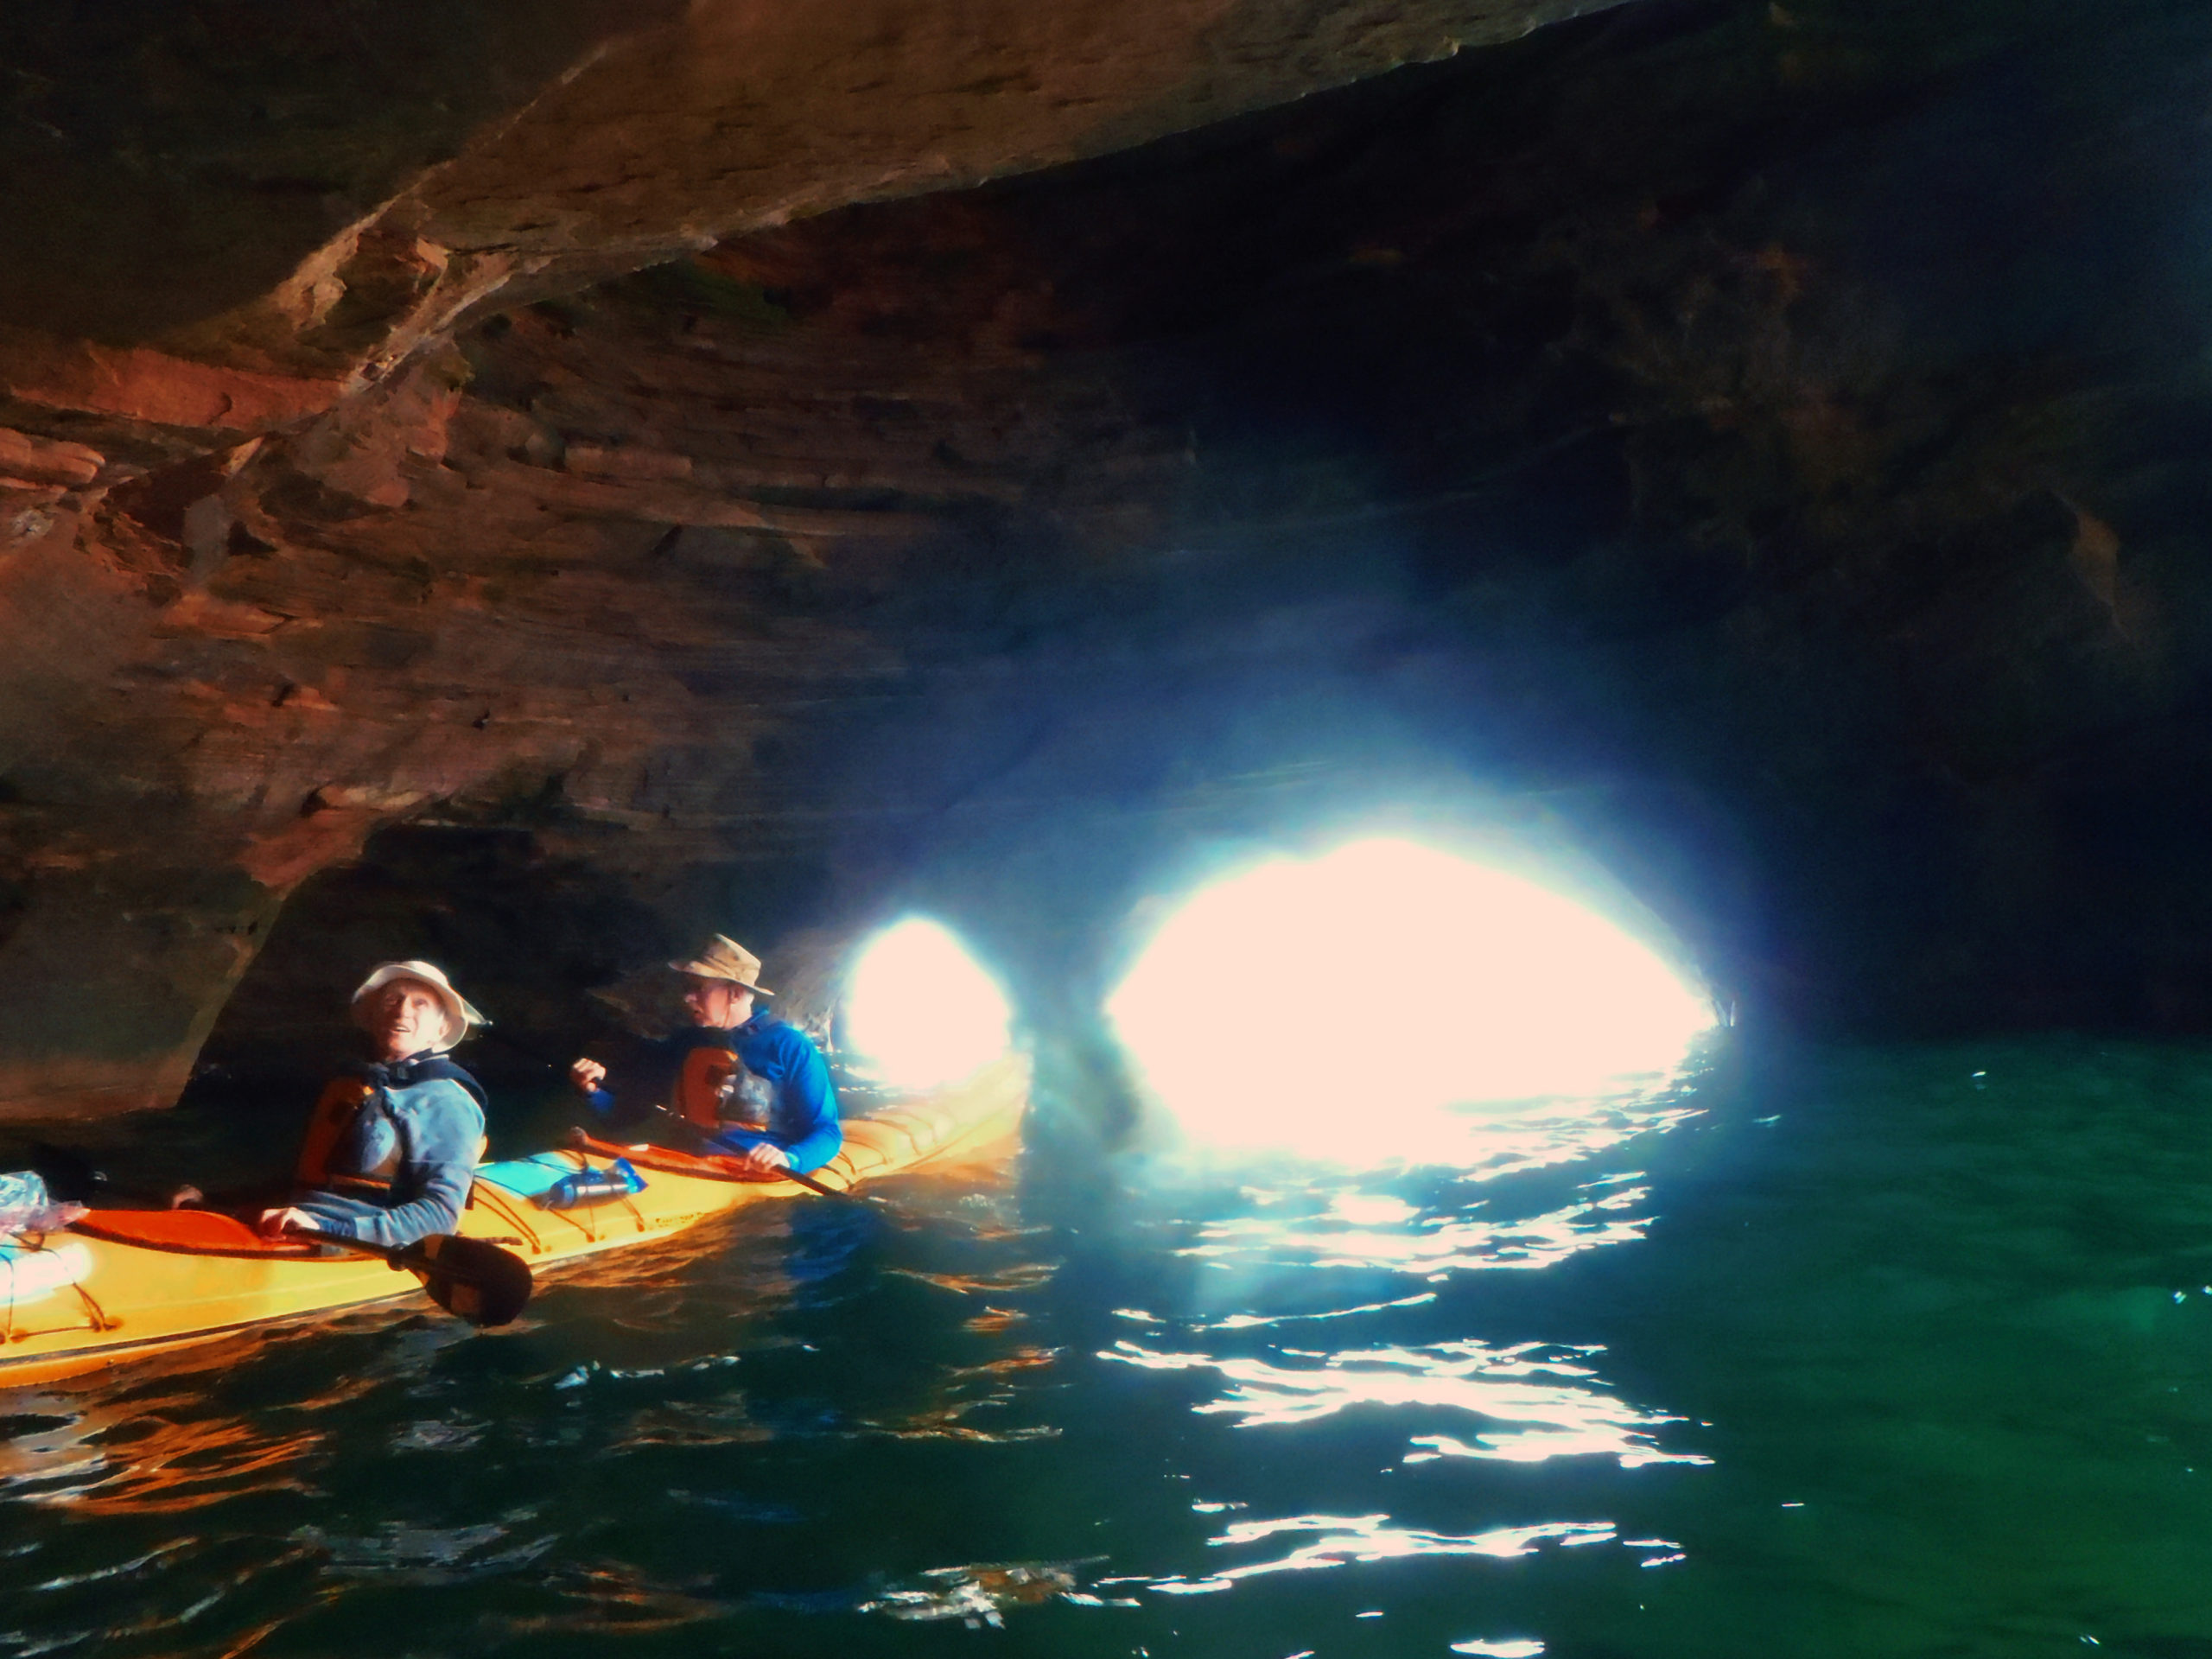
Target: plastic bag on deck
pixel 27 1207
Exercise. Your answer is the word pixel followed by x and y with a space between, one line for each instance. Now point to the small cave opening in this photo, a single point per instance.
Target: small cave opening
pixel 917 1010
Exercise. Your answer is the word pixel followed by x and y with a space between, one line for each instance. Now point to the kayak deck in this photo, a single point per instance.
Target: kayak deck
pixel 112 1289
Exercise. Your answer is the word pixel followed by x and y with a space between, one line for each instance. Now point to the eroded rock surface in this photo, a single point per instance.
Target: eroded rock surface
pixel 328 188
pixel 227 219
pixel 1757 443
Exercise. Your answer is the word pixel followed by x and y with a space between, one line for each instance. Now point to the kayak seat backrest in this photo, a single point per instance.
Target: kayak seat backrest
pixel 184 1232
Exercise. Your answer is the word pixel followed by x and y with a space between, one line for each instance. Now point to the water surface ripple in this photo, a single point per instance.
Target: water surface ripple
pixel 1837 1352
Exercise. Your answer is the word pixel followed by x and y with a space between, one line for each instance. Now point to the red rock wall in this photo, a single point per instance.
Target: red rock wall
pixel 274 577
pixel 1629 417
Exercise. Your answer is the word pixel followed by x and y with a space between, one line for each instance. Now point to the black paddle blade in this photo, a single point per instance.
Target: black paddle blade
pixel 470 1279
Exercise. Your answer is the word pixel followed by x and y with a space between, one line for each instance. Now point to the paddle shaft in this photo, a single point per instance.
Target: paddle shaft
pixel 827 1192
pixel 702 1138
pixel 396 1254
pixel 787 1173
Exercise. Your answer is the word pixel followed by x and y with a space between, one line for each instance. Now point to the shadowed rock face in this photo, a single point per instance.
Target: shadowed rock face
pixel 1754 445
pixel 320 189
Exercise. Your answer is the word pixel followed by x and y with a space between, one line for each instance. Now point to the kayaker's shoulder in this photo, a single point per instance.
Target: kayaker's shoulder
pixel 779 1034
pixel 445 1092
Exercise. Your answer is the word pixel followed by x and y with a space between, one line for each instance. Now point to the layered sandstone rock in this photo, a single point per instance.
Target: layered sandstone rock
pixel 227 222
pixel 1626 434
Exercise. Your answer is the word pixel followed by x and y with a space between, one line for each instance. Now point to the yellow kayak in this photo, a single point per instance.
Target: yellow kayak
pixel 118 1284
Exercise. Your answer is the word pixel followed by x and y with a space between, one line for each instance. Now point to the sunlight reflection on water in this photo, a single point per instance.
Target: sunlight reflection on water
pixel 684 1371
pixel 1927 1333
pixel 1431 1244
pixel 1285 1351
pixel 158 1457
pixel 1344 1539
pixel 1530 1385
pixel 399 1553
pixel 981 1595
pixel 639 1359
pixel 1319 1215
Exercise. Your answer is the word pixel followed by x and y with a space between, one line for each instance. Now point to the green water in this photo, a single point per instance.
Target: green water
pixel 1840 1353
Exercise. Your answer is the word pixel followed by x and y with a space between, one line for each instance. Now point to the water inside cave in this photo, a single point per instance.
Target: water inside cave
pixel 509 485
pixel 1817 1350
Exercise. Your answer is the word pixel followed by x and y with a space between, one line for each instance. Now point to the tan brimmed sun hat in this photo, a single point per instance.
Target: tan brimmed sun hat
pixel 460 1015
pixel 721 958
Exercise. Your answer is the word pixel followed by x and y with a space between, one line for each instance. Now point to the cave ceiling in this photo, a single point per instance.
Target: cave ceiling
pixel 778 465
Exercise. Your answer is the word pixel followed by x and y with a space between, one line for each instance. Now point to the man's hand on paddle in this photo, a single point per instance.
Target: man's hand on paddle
pixel 765 1157
pixel 586 1076
pixel 275 1223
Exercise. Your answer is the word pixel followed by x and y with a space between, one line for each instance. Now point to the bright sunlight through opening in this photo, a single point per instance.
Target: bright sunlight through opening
pixel 1332 1006
pixel 921 1010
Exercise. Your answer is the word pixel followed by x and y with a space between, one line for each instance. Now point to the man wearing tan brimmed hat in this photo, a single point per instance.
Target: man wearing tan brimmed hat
pixel 393 1146
pixel 745 1080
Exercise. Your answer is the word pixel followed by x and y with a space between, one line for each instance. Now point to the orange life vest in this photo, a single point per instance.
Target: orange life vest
pixel 703 1085
pixel 341 1103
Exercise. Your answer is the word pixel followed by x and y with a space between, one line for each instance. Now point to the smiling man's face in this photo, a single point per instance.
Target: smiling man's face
pixel 404 1017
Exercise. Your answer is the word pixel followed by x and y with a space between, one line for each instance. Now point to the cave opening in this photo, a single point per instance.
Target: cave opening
pixel 528 486
pixel 918 1010
pixel 1625 412
pixel 1357 1005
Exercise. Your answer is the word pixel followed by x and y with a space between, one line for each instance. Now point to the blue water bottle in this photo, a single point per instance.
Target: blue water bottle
pixel 588 1186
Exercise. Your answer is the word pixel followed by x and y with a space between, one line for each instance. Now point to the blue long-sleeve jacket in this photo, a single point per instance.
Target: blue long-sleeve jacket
pixel 425 1138
pixel 802 1112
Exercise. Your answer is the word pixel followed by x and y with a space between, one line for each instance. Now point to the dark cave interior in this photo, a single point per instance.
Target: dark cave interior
pixel 1756 449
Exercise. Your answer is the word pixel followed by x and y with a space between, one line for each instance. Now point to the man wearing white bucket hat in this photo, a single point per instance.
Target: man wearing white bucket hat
pixel 393 1146
pixel 752 1085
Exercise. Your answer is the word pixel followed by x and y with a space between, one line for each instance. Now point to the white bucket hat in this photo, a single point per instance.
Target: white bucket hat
pixel 460 1015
